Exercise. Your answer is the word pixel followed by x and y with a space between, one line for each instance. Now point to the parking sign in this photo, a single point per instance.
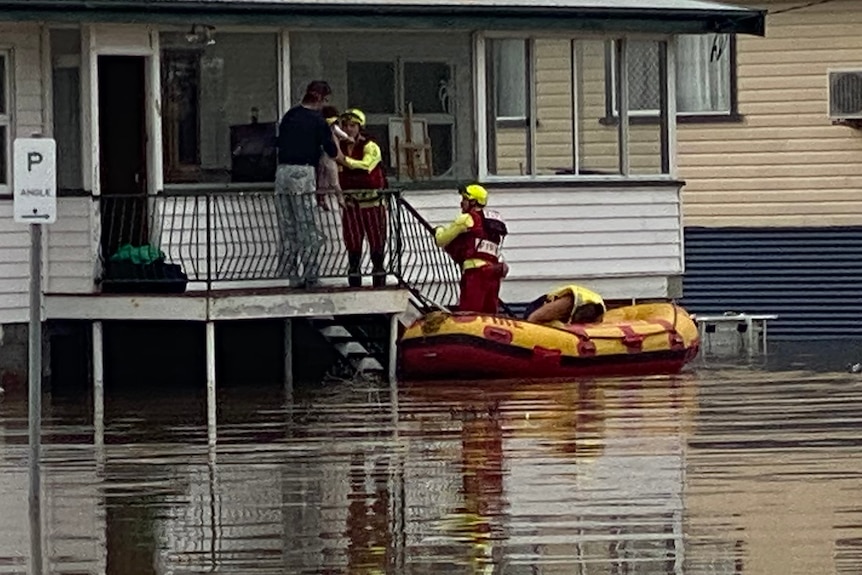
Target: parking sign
pixel 34 177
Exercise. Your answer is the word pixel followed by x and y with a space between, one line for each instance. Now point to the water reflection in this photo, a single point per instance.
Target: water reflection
pixel 725 470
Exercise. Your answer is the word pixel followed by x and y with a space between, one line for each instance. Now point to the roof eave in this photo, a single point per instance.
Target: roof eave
pixel 738 21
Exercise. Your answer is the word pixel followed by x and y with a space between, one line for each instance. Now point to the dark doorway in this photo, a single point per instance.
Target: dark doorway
pixel 122 151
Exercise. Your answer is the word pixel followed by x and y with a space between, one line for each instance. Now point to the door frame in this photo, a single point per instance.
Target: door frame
pixel 99 41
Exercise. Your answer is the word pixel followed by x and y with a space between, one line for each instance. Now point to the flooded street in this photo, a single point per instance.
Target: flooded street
pixel 721 470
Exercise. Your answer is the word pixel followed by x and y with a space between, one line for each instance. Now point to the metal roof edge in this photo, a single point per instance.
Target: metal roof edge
pixel 740 21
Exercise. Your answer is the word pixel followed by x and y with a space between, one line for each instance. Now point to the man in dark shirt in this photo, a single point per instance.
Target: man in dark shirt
pixel 302 134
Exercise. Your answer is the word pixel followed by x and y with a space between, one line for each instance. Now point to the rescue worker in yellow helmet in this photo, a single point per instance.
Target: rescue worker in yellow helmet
pixel 364 215
pixel 569 304
pixel 474 240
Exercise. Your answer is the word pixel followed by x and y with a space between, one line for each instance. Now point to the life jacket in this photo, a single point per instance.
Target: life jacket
pixel 368 184
pixel 581 296
pixel 482 241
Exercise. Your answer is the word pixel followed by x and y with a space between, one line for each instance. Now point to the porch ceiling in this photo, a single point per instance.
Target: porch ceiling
pixel 664 16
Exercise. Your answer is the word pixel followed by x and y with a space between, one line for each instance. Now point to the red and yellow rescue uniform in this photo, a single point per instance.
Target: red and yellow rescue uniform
pixel 474 240
pixel 364 215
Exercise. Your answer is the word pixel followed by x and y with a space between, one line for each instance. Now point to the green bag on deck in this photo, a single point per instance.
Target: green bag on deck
pixel 146 254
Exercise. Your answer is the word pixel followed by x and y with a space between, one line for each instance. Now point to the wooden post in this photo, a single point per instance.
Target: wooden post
pixel 393 348
pixel 288 359
pixel 211 383
pixel 98 387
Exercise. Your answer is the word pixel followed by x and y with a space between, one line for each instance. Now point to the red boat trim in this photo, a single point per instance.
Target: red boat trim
pixel 471 341
pixel 586 348
pixel 633 341
pixel 674 339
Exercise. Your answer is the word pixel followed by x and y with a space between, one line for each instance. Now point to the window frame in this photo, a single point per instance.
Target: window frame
pixel 485 122
pixel 7 115
pixel 400 99
pixel 652 116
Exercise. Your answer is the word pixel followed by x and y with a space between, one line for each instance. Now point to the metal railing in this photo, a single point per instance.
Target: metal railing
pixel 164 242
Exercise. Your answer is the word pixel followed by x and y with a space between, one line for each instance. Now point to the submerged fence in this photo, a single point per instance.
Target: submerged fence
pixel 163 242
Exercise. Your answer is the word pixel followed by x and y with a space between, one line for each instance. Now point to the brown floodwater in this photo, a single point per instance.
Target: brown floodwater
pixel 724 469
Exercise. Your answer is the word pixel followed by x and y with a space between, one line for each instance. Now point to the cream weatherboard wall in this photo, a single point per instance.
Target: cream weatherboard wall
pixel 785 164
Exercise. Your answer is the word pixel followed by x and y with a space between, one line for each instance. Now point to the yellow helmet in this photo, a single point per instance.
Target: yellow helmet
pixel 474 192
pixel 354 115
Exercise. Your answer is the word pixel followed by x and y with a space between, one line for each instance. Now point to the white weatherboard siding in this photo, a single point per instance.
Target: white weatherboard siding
pixel 14 266
pixel 625 242
pixel 24 42
pixel 73 243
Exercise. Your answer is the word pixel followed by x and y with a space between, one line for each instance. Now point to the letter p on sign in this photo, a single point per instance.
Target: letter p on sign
pixel 34 179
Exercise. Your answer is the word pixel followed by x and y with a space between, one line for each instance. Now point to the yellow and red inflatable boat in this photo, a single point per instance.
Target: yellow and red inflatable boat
pixel 642 339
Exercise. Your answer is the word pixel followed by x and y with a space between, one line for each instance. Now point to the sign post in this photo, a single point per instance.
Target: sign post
pixel 35 202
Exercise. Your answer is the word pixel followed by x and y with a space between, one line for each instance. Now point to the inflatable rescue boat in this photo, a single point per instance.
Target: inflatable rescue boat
pixel 642 339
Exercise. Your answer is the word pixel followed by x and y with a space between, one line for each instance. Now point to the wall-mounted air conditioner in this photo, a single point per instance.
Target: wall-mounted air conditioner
pixel 845 95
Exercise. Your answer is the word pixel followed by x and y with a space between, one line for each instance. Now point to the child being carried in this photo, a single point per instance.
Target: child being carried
pixel 327 168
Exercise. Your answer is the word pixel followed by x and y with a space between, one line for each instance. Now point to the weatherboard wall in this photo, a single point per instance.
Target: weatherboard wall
pixel 784 163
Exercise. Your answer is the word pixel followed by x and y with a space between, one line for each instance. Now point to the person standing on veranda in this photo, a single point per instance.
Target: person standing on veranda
pixel 302 135
pixel 364 216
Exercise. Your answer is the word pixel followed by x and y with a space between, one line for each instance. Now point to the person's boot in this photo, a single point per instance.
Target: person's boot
pixel 378 271
pixel 354 274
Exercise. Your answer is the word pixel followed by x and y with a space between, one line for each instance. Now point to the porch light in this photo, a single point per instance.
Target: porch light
pixel 201 34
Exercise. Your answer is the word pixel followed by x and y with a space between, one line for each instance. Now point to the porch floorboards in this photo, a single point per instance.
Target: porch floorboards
pixel 226 305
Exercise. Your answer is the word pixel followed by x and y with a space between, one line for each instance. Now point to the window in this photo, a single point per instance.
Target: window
pixel 66 84
pixel 427 75
pixel 390 89
pixel 219 107
pixel 5 117
pixel 704 83
pixel 509 62
pixel 558 88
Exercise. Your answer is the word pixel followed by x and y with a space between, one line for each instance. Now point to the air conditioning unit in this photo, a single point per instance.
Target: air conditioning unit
pixel 845 95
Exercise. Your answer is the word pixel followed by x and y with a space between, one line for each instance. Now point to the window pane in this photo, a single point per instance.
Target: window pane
pixel 509 59
pixel 66 80
pixel 554 107
pixel 645 140
pixel 182 107
pixel 4 156
pixel 3 83
pixel 643 74
pixel 219 107
pixel 371 86
pixel 427 86
pixel 430 70
pixel 598 143
pixel 441 147
pixel 703 73
pixel 507 102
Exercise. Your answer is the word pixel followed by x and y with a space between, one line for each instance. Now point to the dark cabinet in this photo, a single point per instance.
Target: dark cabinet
pixel 253 152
